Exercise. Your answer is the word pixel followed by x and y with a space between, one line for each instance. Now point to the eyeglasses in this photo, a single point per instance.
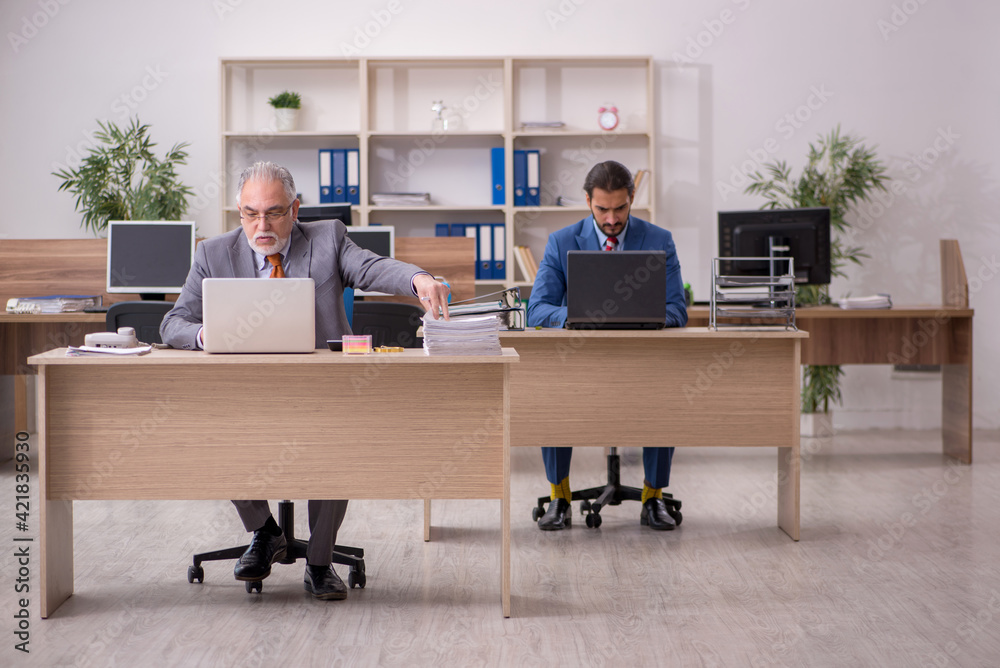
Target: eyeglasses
pixel 269 216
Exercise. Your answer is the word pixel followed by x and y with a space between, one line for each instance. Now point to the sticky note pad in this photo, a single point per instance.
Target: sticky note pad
pixel 357 344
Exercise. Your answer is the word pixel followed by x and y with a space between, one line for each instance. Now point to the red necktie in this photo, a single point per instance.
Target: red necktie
pixel 611 244
pixel 276 270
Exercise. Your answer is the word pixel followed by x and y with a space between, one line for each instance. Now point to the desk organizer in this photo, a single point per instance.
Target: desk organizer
pixel 740 299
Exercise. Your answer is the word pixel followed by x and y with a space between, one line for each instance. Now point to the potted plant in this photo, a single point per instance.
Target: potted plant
pixel 840 173
pixel 286 109
pixel 122 179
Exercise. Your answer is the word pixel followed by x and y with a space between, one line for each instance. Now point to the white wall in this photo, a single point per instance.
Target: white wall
pixel 915 77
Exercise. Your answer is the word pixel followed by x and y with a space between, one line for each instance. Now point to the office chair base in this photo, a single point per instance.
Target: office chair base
pixel 353 557
pixel 612 493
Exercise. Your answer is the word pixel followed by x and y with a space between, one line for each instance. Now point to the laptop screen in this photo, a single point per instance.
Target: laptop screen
pixel 259 315
pixel 616 289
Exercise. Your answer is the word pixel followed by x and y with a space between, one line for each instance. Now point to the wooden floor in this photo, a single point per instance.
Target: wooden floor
pixel 899 565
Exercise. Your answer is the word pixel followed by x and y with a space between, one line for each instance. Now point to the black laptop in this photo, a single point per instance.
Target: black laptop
pixel 616 289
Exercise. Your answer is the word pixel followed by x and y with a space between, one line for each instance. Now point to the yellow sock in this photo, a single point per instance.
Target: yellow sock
pixel 650 493
pixel 562 490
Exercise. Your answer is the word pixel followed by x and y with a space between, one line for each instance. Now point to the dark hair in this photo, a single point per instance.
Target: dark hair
pixel 611 176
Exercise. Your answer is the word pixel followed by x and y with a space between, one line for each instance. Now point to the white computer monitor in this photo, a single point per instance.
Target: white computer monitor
pixel 149 257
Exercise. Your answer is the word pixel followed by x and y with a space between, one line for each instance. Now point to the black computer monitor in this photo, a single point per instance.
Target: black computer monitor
pixel 379 239
pixel 150 257
pixel 310 214
pixel 805 233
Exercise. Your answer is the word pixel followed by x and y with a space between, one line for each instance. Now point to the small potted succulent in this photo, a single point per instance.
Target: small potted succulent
pixel 286 110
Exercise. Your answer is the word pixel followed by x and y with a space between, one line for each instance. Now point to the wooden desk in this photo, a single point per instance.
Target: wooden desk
pixel 178 425
pixel 673 387
pixel 900 335
pixel 22 336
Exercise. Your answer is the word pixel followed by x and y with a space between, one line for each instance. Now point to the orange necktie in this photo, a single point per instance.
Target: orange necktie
pixel 276 270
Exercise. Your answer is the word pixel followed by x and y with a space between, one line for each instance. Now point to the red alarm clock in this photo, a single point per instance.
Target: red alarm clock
pixel 607 118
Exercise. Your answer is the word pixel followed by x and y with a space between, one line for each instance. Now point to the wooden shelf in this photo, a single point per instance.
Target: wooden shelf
pixel 382 107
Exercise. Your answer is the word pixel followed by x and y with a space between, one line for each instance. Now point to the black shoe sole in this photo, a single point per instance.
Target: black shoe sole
pixel 278 556
pixel 644 521
pixel 329 596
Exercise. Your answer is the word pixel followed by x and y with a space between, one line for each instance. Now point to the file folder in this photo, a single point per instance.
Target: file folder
pixel 532 197
pixel 325 176
pixel 458 229
pixel 496 162
pixel 520 178
pixel 353 176
pixel 442 230
pixel 484 250
pixel 339 172
pixel 499 252
pixel 469 230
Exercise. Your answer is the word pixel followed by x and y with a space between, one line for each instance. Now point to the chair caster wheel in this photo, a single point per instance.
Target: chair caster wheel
pixel 536 513
pixel 196 573
pixel 585 507
pixel 356 579
pixel 256 584
pixel 593 521
pixel 677 515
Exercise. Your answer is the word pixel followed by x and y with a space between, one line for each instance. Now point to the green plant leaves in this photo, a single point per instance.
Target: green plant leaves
pixel 122 179
pixel 286 100
pixel 840 172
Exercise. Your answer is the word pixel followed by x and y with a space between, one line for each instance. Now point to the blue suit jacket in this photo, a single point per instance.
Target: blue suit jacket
pixel 547 303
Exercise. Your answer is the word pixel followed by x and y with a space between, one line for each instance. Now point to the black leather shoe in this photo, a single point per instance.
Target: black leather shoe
pixel 264 550
pixel 324 583
pixel 559 516
pixel 654 513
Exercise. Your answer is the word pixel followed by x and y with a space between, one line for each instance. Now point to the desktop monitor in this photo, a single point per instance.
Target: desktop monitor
pixel 150 257
pixel 310 214
pixel 379 239
pixel 804 232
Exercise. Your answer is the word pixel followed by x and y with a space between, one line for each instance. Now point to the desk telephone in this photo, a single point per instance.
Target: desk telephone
pixel 123 338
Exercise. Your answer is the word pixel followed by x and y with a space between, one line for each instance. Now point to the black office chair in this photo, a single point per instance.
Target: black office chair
pixel 353 557
pixel 144 317
pixel 389 323
pixel 612 493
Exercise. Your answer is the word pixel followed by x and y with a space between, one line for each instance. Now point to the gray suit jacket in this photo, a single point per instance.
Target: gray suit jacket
pixel 321 251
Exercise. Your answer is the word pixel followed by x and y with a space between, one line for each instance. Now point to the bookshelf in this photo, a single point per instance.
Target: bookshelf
pixel 382 108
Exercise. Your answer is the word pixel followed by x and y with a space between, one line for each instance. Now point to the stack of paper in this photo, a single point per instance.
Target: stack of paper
pixel 401 199
pixel 83 351
pixel 543 125
pixel 53 303
pixel 470 335
pixel 881 300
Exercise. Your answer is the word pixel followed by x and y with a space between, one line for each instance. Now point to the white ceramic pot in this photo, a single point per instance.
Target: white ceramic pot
pixel 286 119
pixel 816 425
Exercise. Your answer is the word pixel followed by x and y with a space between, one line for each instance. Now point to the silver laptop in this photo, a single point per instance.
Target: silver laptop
pixel 259 315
